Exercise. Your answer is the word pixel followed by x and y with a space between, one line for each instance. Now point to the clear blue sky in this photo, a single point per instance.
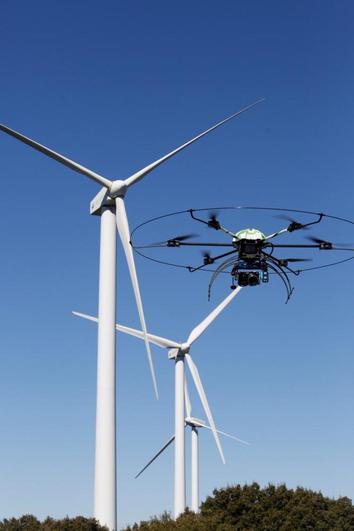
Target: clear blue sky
pixel 115 85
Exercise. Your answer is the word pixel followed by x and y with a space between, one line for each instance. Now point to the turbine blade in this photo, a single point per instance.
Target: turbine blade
pixel 204 400
pixel 56 156
pixel 124 233
pixel 187 399
pixel 156 340
pixel 144 171
pixel 86 316
pixel 156 456
pixel 172 353
pixel 226 434
pixel 199 329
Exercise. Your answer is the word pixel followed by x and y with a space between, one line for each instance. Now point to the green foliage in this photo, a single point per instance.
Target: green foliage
pixel 251 508
pixel 30 523
pixel 236 508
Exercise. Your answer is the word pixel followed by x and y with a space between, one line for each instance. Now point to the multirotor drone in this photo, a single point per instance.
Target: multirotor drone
pixel 251 256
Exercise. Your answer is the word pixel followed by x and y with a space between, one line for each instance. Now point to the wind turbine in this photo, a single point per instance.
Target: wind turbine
pixel 195 424
pixel 110 206
pixel 181 352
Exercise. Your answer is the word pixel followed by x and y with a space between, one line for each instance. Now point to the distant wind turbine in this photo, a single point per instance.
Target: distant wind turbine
pixel 195 424
pixel 180 352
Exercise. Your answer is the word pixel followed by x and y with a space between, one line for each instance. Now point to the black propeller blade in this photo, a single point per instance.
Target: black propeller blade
pixel 174 242
pixel 298 259
pixel 213 222
pixel 294 225
pixel 285 261
pixel 183 237
pixel 323 244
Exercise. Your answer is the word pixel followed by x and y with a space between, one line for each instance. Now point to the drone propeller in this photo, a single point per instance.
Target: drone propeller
pixel 285 261
pixel 297 259
pixel 294 225
pixel 207 259
pixel 171 242
pixel 175 242
pixel 315 240
pixel 183 237
pixel 323 244
pixel 213 222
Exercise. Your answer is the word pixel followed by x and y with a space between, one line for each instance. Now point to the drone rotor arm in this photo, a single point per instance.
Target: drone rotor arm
pixel 213 259
pixel 342 249
pixel 292 246
pixel 278 233
pixel 220 227
pixel 227 231
pixel 224 254
pixel 294 225
pixel 175 243
pixel 191 211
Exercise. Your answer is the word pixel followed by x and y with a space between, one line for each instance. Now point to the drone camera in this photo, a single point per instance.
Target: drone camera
pixel 249 278
pixel 242 279
pixel 253 278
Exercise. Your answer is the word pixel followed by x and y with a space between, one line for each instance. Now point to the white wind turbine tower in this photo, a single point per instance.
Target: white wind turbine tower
pixel 181 352
pixel 195 424
pixel 110 206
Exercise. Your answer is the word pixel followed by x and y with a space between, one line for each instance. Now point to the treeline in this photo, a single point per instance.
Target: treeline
pixel 31 523
pixel 237 508
pixel 251 508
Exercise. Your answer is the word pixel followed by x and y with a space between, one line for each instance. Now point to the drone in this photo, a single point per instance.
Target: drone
pixel 250 260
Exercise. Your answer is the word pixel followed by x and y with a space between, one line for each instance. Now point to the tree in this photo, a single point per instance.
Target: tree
pixel 30 523
pixel 251 508
pixel 26 522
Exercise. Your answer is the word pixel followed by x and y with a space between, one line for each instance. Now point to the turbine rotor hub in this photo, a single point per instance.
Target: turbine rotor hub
pixel 118 189
pixel 184 349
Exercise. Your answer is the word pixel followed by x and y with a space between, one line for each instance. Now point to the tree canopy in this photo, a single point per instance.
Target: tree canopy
pixel 252 508
pixel 235 508
pixel 29 522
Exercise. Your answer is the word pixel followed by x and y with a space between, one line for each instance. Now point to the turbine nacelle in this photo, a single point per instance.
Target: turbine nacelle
pixel 182 350
pixel 100 200
pixel 194 422
pixel 106 196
